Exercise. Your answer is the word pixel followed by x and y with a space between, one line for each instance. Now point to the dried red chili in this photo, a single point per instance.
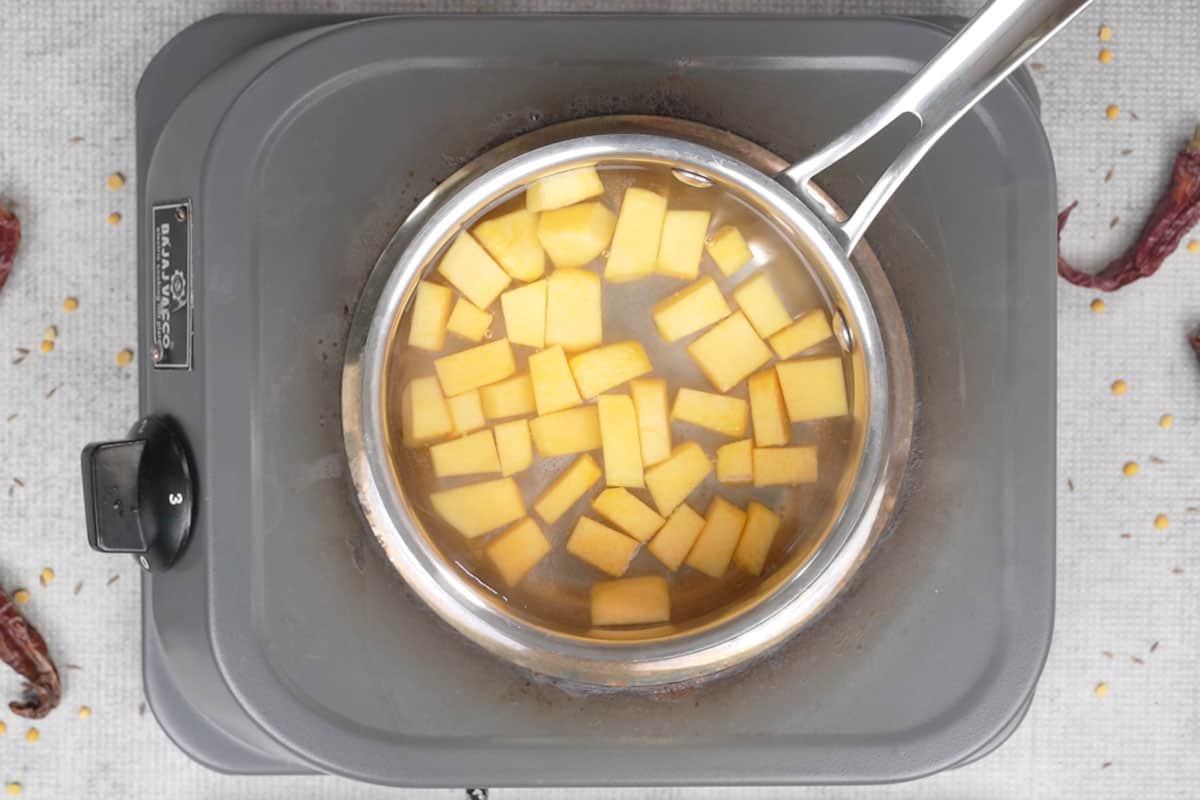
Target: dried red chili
pixel 24 649
pixel 10 238
pixel 1177 211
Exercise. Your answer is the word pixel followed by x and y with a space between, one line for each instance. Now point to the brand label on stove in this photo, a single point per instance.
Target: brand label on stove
pixel 172 284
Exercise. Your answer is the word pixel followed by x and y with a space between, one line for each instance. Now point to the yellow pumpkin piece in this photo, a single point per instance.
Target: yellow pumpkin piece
pixel 567 488
pixel 553 385
pixel 424 413
pixel 716 412
pixel 813 388
pixel 599 545
pixel 634 249
pixel 431 310
pixel 728 250
pixel 654 426
pixel 468 322
pixel 518 550
pixel 466 410
pixel 478 508
pixel 675 538
pixel 761 304
pixel 771 426
pixel 682 243
pixel 619 438
pixel 810 330
pixel 563 189
pixel 575 430
pixel 468 268
pixel 631 601
pixel 478 366
pixel 691 309
pixel 525 314
pixel 512 397
pixel 607 367
pixel 785 466
pixel 735 463
pixel 512 240
pixel 573 309
pixel 671 481
pixel 577 234
pixel 470 455
pixel 514 446
pixel 761 526
pixel 719 538
pixel 631 515
pixel 729 352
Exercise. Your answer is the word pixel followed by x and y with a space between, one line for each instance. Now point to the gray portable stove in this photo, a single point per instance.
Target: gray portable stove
pixel 276 155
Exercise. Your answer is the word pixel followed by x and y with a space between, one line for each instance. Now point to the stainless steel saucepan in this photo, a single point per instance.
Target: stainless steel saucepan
pixel 867 326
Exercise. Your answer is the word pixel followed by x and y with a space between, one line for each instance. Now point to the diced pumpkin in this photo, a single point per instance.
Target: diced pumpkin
pixel 771 427
pixel 761 526
pixel 478 508
pixel 512 397
pixel 631 601
pixel 563 189
pixel 609 366
pixel 469 268
pixel 716 412
pixel 468 322
pixel 512 240
pixel 634 249
pixel 466 410
pixel 431 310
pixel 553 386
pixel 690 309
pixel 808 331
pixel 719 538
pixel 469 455
pixel 518 550
pixel 478 366
pixel 575 430
pixel 728 250
pixel 729 352
pixel 675 538
pixel 671 481
pixel 735 463
pixel 619 438
pixel 785 466
pixel 654 427
pixel 761 304
pixel 514 446
pixel 525 314
pixel 573 309
pixel 631 515
pixel 813 388
pixel 424 413
pixel 682 243
pixel 599 545
pixel 567 488
pixel 577 234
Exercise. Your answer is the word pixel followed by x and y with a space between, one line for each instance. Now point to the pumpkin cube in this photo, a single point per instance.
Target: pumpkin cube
pixel 466 410
pixel 553 386
pixel 518 550
pixel 478 508
pixel 577 234
pixel 631 515
pixel 514 446
pixel 715 412
pixel 563 189
pixel 525 314
pixel 728 250
pixel 682 243
pixel 609 366
pixel 676 537
pixel 813 388
pixel 729 352
pixel 478 366
pixel 761 526
pixel 671 481
pixel 761 304
pixel 690 309
pixel 512 240
pixel 631 601
pixel 634 249
pixel 599 545
pixel 811 329
pixel 785 466
pixel 767 411
pixel 619 438
pixel 575 430
pixel 735 463
pixel 718 539
pixel 512 397
pixel 470 455
pixel 424 414
pixel 469 268
pixel 567 488
pixel 573 309
pixel 468 322
pixel 654 427
pixel 431 310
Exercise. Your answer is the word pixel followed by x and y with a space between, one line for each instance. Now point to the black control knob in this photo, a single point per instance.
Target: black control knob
pixel 138 494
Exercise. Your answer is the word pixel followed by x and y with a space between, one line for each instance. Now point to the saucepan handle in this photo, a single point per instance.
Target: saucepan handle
pixel 997 40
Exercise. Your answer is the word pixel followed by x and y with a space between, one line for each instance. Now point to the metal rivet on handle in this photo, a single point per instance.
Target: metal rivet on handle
pixel 156 354
pixel 144 562
pixel 691 179
pixel 841 331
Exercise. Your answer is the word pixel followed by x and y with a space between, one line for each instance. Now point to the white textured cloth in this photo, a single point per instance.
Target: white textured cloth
pixel 68 69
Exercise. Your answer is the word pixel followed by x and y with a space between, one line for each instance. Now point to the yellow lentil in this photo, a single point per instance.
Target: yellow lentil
pixel 3 727
pixel 1099 306
pixel 21 597
pixel 1166 421
pixel 114 218
pixel 1112 112
pixel 1105 56
pixel 47 345
pixel 1161 522
pixel 84 712
pixel 1105 33
pixel 70 304
pixel 115 181
pixel 1119 387
pixel 51 332
pixel 13 789
pixel 1101 689
pixel 1194 246
pixel 32 735
pixel 1131 468
pixel 125 357
pixel 47 575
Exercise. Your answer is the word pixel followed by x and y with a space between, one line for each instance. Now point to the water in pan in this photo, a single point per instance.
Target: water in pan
pixel 555 593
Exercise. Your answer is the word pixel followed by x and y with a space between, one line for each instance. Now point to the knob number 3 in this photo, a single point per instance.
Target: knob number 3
pixel 175 498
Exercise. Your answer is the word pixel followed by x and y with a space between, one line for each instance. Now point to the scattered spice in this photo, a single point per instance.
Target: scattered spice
pixel 75 139
pixel 1105 33
pixel 1161 522
pixel 1156 460
pixel 1136 660
pixel 1153 647
pixel 125 358
pixel 1106 765
pixel 46 576
pixel 114 218
pixel 1070 485
pixel 141 709
pixel 1119 387
pixel 78 588
pixel 11 417
pixel 32 735
pixel 1037 66
pixel 21 597
pixel 51 332
pixel 1114 222
pixel 24 649
pixel 112 580
pixel 115 181
pixel 1112 112
pixel 21 354
pixel 1193 509
pixel 1126 535
pixel 1101 689
pixel 1176 212
pixel 1128 151
pixel 1107 653
pixel 47 345
pixel 52 390
pixel 1108 176
pixel 1166 421
pixel 10 240
pixel 1098 306
pixel 1176 570
pixel 72 666
pixel 1131 468
pixel 1133 116
pixel 71 304
pixel 1105 56
pixel 85 712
